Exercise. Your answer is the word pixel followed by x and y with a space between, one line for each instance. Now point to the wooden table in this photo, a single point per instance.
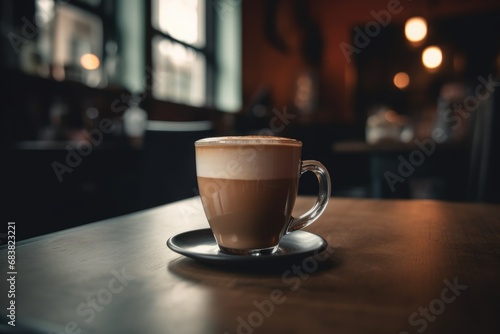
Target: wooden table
pixel 392 266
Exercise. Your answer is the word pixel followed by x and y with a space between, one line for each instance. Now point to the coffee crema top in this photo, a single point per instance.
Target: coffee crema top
pixel 247 140
pixel 248 158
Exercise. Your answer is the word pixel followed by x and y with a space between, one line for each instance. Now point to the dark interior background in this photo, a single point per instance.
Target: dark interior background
pixel 280 40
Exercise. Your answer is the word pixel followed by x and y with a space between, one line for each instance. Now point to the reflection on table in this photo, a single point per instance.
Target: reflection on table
pixel 391 266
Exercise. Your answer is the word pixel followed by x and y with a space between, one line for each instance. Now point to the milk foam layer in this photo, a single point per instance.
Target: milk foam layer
pixel 248 140
pixel 249 160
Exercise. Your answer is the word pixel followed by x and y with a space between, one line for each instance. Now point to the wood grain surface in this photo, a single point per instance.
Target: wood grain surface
pixel 392 266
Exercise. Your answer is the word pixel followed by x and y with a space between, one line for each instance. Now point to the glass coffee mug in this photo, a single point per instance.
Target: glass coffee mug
pixel 248 186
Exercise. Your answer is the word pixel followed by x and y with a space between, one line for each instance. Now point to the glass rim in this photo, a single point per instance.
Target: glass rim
pixel 247 140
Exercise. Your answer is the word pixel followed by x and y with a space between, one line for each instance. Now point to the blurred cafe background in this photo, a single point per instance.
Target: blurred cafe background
pixel 102 100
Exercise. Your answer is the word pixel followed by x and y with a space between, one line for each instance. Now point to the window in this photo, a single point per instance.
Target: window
pixel 76 39
pixel 184 20
pixel 111 42
pixel 181 56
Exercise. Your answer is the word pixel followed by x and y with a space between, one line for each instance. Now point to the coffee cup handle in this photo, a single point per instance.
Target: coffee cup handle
pixel 310 216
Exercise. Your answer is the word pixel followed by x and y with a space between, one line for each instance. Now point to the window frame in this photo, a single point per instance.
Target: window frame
pixel 207 51
pixel 104 11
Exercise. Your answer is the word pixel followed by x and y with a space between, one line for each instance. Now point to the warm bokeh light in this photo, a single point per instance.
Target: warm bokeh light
pixel 416 29
pixel 432 57
pixel 89 61
pixel 401 80
pixel 391 116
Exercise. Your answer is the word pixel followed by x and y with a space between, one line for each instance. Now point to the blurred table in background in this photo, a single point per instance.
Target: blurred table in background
pixel 411 170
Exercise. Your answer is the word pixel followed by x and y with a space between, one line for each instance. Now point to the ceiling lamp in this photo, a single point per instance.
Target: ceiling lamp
pixel 432 57
pixel 401 80
pixel 416 29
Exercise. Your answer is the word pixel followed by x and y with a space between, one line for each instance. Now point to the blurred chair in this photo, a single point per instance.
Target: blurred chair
pixel 168 171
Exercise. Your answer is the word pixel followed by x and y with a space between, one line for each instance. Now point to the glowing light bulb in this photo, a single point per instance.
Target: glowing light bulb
pixel 89 61
pixel 416 29
pixel 432 57
pixel 401 80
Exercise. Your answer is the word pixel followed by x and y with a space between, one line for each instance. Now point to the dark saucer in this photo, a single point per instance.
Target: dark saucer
pixel 200 245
